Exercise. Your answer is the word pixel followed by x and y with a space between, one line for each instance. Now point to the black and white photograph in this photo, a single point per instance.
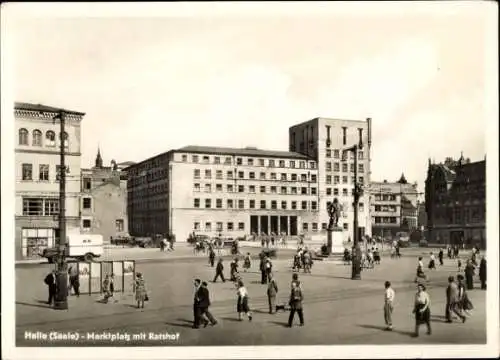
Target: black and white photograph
pixel 250 179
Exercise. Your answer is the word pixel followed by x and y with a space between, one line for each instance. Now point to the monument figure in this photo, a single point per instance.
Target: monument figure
pixel 334 209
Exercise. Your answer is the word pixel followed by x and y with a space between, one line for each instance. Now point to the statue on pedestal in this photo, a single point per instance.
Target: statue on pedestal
pixel 334 210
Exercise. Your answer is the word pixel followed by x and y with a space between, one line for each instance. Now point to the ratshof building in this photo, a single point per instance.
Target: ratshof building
pixel 323 139
pixel 37 165
pixel 243 191
pixel 394 207
pixel 104 199
pixel 455 201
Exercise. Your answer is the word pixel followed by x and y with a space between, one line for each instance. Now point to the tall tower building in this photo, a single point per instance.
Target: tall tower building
pixel 323 140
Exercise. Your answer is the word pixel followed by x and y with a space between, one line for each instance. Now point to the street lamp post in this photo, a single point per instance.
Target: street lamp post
pixel 61 296
pixel 358 191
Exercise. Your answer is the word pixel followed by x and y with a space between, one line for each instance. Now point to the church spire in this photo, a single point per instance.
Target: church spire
pixel 98 158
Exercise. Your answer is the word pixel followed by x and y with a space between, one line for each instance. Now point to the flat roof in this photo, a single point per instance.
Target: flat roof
pixel 249 151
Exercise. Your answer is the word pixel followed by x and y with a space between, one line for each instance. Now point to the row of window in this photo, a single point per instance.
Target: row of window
pixel 43 172
pixel 386 219
pixel 460 215
pixel 345 168
pixel 386 208
pixel 40 206
pixel 240 204
pixel 329 180
pixel 38 140
pixel 219 226
pixel 336 154
pixel 379 197
pixel 252 189
pixel 230 175
pixel 205 159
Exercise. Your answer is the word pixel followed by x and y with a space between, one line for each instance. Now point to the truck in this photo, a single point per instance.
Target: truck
pixel 82 247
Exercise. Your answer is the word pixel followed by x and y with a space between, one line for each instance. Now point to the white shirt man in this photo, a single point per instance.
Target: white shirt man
pixel 388 304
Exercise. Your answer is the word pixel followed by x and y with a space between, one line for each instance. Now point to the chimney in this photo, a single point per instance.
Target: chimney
pixel 369 121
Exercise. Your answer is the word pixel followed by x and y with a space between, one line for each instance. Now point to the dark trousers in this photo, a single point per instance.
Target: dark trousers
pixel 426 322
pixel 212 261
pixel 483 284
pixel 441 260
pixel 452 308
pixel 52 293
pixel 263 277
pixel 196 315
pixel 469 282
pixel 219 274
pixel 292 315
pixel 75 284
pixel 204 312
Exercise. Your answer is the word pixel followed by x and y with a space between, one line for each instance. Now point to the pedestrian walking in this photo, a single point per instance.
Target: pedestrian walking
pixel 140 291
pixel 440 257
pixel 296 298
pixel 482 273
pixel 388 305
pixel 196 304
pixel 219 271
pixel 432 262
pixel 420 270
pixel 376 256
pixel 74 279
pixel 422 309
pixel 247 262
pixel 242 305
pixel 452 300
pixel 234 270
pixel 463 299
pixel 269 268
pixel 211 256
pixel 262 268
pixel 469 274
pixel 204 304
pixel 50 281
pixel 272 291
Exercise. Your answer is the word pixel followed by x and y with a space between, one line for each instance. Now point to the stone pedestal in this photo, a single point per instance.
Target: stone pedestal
pixel 335 240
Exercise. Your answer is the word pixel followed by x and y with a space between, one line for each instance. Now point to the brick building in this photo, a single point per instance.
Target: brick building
pixel 455 201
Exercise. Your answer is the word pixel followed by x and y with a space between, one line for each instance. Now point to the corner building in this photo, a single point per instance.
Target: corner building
pixel 323 140
pixel 38 142
pixel 212 190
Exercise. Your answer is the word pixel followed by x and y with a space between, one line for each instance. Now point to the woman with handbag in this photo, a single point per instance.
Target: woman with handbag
pixel 422 309
pixel 463 299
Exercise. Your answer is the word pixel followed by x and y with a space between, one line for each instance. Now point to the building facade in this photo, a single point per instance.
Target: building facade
pixel 455 201
pixel 394 207
pixel 103 203
pixel 37 181
pixel 235 192
pixel 324 139
pixel 246 191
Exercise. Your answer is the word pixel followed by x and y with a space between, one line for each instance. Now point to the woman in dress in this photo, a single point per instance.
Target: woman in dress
pixel 422 309
pixel 432 262
pixel 242 306
pixel 420 270
pixel 234 270
pixel 463 299
pixel 247 263
pixel 140 291
pixel 469 275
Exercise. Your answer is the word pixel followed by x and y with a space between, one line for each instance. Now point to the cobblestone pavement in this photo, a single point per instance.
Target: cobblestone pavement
pixel 337 310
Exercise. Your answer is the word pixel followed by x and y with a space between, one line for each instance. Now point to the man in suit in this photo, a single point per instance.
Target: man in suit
pixel 452 300
pixel 296 298
pixel 50 281
pixel 204 303
pixel 219 271
pixel 196 302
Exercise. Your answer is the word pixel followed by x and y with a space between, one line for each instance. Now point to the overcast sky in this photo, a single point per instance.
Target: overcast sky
pixel 149 85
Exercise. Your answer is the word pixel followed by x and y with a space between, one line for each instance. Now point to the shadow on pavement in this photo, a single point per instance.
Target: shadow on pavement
pixel 39 303
pixel 383 328
pixel 230 319
pixel 280 323
pixel 179 325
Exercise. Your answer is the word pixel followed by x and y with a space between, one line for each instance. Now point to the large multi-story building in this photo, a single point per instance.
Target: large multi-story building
pixel 324 139
pixel 222 190
pixel 104 200
pixel 455 201
pixel 251 191
pixel 37 166
pixel 394 207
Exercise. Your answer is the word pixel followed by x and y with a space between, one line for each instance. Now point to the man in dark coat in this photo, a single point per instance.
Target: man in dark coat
pixel 219 271
pixel 74 279
pixel 452 300
pixel 469 275
pixel 482 273
pixel 203 304
pixel 296 298
pixel 211 256
pixel 50 281
pixel 440 256
pixel 196 304
pixel 262 268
